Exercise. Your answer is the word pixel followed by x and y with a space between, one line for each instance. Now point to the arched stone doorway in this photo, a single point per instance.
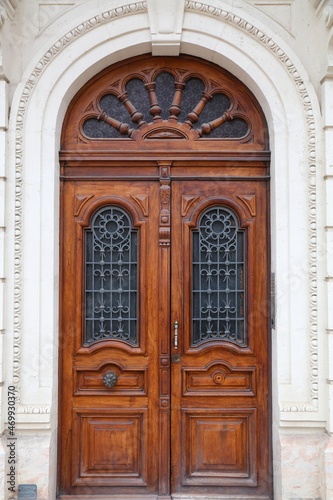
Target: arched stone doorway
pixel 165 353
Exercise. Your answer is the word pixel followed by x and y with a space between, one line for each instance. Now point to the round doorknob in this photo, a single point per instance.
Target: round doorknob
pixel 110 379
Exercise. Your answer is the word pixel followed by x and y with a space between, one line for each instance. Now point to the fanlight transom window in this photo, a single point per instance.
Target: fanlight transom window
pixel 193 103
pixel 189 105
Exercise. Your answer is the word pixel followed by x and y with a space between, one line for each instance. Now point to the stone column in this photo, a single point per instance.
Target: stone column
pixel 3 150
pixel 7 11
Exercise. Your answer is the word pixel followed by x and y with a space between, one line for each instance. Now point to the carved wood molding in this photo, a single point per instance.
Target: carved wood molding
pixel 250 202
pixel 80 201
pixel 187 202
pixel 165 200
pixel 151 99
pixel 143 202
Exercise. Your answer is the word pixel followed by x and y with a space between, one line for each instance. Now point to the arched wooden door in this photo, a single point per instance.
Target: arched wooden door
pixel 164 336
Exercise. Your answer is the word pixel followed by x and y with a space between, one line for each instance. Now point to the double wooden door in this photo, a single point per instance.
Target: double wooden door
pixel 164 359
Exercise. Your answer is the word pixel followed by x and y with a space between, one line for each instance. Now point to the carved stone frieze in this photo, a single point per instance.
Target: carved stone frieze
pixel 2 17
pixel 328 16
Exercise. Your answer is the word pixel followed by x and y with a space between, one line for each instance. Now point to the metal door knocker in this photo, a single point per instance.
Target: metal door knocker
pixel 110 379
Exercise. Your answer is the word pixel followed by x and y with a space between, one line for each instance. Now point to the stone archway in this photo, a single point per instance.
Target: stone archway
pixel 70 61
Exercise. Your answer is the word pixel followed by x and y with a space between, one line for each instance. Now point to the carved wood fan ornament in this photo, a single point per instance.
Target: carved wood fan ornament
pixel 177 99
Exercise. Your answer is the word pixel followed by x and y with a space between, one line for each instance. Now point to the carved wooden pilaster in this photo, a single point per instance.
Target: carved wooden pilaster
pixel 164 327
pixel 165 197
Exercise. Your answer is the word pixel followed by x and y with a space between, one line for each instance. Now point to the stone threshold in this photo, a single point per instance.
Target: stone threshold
pixel 167 497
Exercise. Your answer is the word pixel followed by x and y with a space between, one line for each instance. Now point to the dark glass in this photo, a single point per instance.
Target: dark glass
pixel 115 109
pixel 214 108
pixel 111 278
pixel 218 282
pixel 165 91
pixel 191 95
pixel 233 129
pixel 138 96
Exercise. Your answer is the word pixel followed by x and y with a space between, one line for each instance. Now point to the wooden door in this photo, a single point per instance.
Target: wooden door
pixel 164 373
pixel 165 347
pixel 109 338
pixel 220 370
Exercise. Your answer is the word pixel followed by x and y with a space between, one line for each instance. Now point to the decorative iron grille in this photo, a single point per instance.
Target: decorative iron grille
pixel 218 281
pixel 111 278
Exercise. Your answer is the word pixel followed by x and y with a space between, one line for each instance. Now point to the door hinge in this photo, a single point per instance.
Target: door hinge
pixel 273 300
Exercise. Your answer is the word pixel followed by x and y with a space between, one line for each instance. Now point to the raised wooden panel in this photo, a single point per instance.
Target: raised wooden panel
pixel 111 445
pixel 218 379
pixel 129 380
pixel 219 447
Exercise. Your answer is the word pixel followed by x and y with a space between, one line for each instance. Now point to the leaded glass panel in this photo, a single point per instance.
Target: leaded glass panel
pixel 111 278
pixel 191 95
pixel 138 96
pixel 165 90
pixel 211 114
pixel 95 129
pixel 214 108
pixel 218 282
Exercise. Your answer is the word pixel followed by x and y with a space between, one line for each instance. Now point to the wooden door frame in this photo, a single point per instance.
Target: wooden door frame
pixel 93 160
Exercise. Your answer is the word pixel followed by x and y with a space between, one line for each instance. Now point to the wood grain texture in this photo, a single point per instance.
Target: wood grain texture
pixel 154 133
pixel 185 421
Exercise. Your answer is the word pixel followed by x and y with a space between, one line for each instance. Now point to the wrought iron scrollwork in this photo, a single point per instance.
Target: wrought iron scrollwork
pixel 218 293
pixel 111 277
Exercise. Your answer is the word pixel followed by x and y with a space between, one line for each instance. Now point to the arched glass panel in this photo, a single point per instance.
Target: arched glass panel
pixel 111 277
pixel 191 95
pixel 165 90
pixel 95 129
pixel 210 114
pixel 138 96
pixel 218 282
pixel 216 107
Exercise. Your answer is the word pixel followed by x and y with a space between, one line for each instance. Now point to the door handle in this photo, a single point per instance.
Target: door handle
pixel 175 336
